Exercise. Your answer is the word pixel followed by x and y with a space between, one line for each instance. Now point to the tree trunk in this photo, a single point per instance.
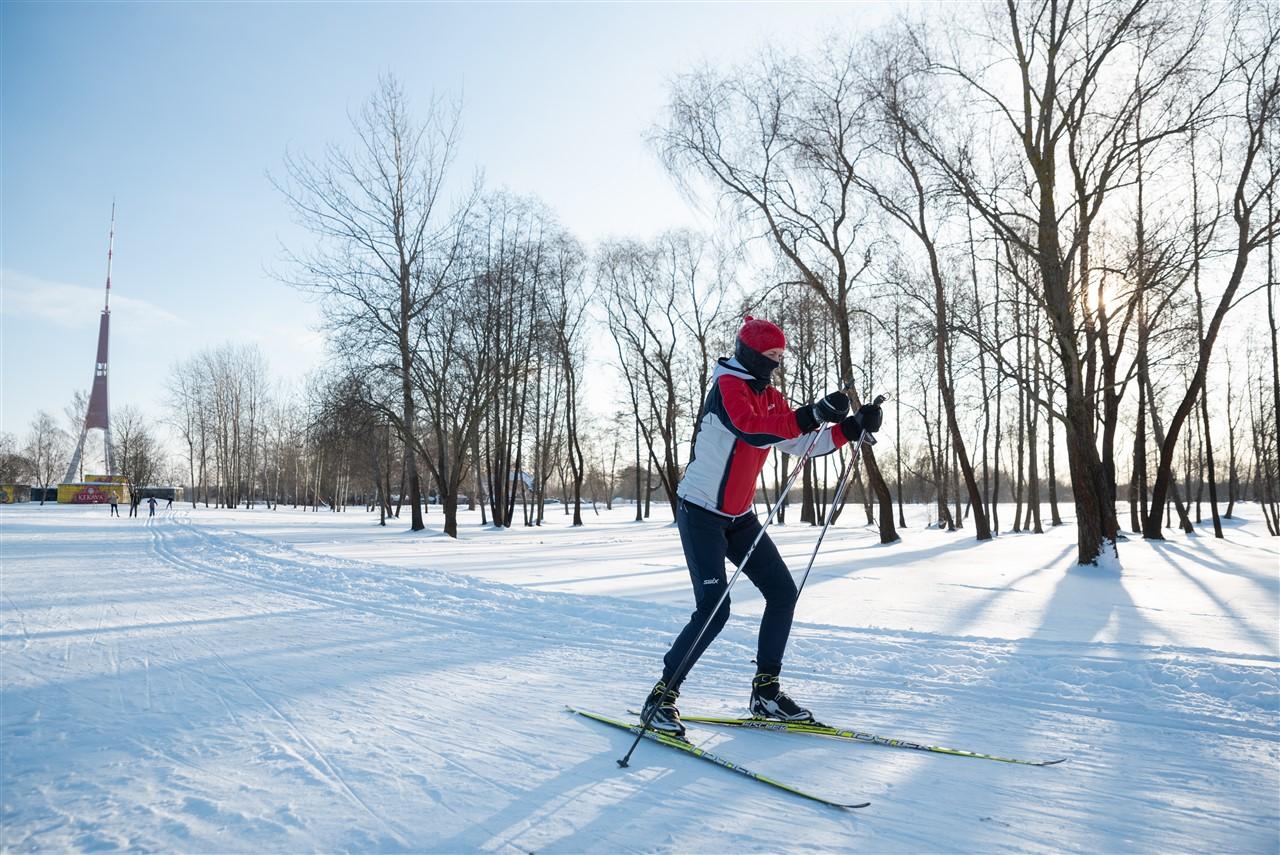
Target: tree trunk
pixel 995 462
pixel 1033 422
pixel 937 453
pixel 577 461
pixel 639 495
pixel 942 356
pixel 982 367
pixel 1055 515
pixel 897 412
pixel 888 533
pixel 807 514
pixel 449 498
pixel 1233 477
pixel 1019 482
pixel 1213 481
pixel 1183 520
pixel 1168 446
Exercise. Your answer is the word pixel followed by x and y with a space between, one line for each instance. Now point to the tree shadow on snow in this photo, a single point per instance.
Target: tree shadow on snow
pixel 1270 586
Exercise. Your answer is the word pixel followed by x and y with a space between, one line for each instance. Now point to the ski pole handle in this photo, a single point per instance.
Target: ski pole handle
pixel 867 438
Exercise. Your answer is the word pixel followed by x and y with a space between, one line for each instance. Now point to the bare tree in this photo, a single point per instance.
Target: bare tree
pixel 1255 62
pixel 565 303
pixel 897 412
pixel 1050 81
pixel 186 409
pixel 899 185
pixel 700 273
pixel 137 448
pixel 46 451
pixel 385 245
pixel 15 467
pixel 474 366
pixel 644 320
pixel 507 252
pixel 1263 418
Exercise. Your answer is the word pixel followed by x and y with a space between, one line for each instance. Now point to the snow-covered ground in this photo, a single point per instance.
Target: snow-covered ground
pixel 290 681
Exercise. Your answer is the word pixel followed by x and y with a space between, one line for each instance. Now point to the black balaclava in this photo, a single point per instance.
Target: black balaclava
pixel 756 363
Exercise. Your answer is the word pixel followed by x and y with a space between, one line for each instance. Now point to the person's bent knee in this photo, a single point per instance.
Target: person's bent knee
pixel 719 618
pixel 782 594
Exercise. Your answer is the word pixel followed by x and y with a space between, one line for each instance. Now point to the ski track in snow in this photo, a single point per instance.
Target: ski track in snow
pixel 186 684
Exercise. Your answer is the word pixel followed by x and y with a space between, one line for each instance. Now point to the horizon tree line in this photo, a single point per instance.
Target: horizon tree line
pixel 1030 224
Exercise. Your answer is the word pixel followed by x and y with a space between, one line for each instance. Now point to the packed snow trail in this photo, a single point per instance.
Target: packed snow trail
pixel 196 683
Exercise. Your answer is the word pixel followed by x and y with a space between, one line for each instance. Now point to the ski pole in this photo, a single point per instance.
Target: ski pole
pixel 680 669
pixel 839 494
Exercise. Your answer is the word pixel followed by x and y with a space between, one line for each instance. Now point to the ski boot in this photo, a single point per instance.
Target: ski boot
pixel 769 701
pixel 666 718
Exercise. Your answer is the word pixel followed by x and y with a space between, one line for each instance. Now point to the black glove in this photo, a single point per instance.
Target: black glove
pixel 832 408
pixel 869 418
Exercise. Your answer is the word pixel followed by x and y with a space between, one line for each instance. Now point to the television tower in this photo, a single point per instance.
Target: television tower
pixel 98 415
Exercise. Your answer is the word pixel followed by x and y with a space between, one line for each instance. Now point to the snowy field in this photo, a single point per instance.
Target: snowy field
pixel 245 681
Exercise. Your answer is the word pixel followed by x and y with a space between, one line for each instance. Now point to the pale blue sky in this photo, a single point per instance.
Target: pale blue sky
pixel 179 110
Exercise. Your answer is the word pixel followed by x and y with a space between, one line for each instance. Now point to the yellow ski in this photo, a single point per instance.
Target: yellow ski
pixel 702 754
pixel 816 729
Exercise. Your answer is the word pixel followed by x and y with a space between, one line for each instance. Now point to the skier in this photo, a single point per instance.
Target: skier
pixel 115 503
pixel 742 417
pixel 151 506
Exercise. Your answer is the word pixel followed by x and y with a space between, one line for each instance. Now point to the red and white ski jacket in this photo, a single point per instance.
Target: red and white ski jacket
pixel 738 427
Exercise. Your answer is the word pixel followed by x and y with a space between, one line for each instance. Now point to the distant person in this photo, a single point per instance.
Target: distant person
pixel 151 506
pixel 170 505
pixel 115 504
pixel 134 501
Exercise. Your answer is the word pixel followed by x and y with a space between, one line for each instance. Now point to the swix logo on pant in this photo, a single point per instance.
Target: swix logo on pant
pixel 711 581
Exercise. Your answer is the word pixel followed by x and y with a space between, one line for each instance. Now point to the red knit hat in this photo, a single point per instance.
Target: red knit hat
pixel 760 335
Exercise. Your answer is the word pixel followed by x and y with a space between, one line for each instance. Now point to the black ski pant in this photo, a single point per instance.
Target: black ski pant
pixel 708 539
